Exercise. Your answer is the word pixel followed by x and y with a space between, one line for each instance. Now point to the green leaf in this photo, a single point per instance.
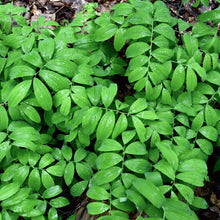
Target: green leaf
pixel 193 165
pixel 3 118
pixel 193 178
pixel 136 49
pixel 162 54
pixel 65 67
pixel 213 77
pixel 83 171
pixel 8 190
pixel 162 127
pixel 178 78
pixel 191 43
pixel 56 170
pixel 210 116
pixel 46 48
pixel 119 40
pixel 149 191
pixel 54 80
pixel 140 17
pixel 136 32
pixel 52 191
pixel 106 32
pixel 139 105
pixel 46 160
pixel 98 193
pixel 188 110
pixel 106 160
pixel 137 74
pixel 17 198
pixel 94 94
pixel 59 202
pixel 138 165
pixel 136 148
pixel 67 152
pixel 182 25
pixel 106 125
pixel 140 128
pixel 124 205
pixel 166 30
pixel 209 132
pixel 168 154
pixel 9 172
pixel 78 188
pixel 198 121
pixel 69 173
pixel 120 126
pixel 205 146
pixel 210 15
pixel 21 71
pixel 18 93
pixel 34 181
pixel 46 179
pixel 33 58
pixel 108 94
pixel 164 167
pixel 186 192
pixel 191 79
pixel 175 209
pixel 65 106
pixel 95 208
pixel 25 133
pixel 21 174
pixel 148 115
pixel 84 78
pixel 110 145
pixel 105 176
pixel 42 95
pixel 52 214
pixel 199 203
pixel 31 113
pixel 136 199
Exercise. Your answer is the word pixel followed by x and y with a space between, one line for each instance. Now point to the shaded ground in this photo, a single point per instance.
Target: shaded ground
pixel 65 10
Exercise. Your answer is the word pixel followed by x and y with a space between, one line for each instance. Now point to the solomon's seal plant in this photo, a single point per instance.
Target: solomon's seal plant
pixel 65 131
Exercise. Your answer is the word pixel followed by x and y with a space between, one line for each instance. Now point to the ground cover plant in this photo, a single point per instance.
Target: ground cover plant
pixel 66 130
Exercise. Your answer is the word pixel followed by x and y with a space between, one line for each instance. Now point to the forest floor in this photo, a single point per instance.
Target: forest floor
pixel 64 11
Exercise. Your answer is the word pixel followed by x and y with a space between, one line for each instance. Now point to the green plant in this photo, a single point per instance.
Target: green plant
pixel 196 4
pixel 62 126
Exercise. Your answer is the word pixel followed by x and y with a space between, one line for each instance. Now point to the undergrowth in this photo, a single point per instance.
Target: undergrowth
pixel 65 130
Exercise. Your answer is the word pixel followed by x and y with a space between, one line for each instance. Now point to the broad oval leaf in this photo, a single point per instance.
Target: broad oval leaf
pixel 194 178
pixel 69 173
pixel 21 71
pixel 108 94
pixel 98 193
pixel 46 48
pixel 162 127
pixel 59 202
pixel 56 170
pixel 105 126
pixel 52 191
pixel 54 80
pixel 136 49
pixel 106 160
pixel 164 167
pixel 140 128
pixel 191 79
pixel 205 145
pixel 210 116
pixel 105 176
pixel 18 93
pixel 34 181
pixel 139 105
pixel 3 118
pixel 120 126
pixel 138 165
pixel 78 188
pixel 149 191
pixel 178 78
pixel 42 95
pixel 46 179
pixel 95 208
pixel 46 160
pixel 209 132
pixel 9 190
pixel 136 32
pixel 186 192
pixel 106 32
pixel 110 145
pixel 136 148
pixel 119 40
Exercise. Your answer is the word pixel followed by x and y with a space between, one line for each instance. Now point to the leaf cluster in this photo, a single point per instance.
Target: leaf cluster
pixel 64 129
